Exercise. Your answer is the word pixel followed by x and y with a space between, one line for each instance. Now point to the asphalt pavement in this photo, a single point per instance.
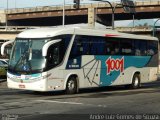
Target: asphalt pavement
pixel 97 103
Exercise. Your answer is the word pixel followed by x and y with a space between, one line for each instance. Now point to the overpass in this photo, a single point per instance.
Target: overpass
pixel 52 15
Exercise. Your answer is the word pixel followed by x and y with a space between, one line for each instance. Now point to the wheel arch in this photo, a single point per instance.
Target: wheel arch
pixel 72 75
pixel 135 72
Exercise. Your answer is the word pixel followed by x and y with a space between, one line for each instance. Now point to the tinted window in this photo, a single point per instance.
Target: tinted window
pixel 57 51
pixel 93 45
pixel 126 47
pixel 137 48
pixel 112 46
pixel 140 47
pixel 152 47
pixel 88 45
pixel 143 47
pixel 97 46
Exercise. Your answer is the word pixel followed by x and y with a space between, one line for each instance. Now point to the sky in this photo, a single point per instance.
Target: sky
pixel 33 3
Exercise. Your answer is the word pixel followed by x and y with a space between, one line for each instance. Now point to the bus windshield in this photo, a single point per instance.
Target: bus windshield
pixel 27 56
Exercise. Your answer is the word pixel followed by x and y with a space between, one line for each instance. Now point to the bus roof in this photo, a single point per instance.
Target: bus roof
pixel 54 31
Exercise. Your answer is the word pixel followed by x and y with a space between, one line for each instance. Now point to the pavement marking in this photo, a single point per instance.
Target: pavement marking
pixel 51 101
pixel 21 102
pixel 70 103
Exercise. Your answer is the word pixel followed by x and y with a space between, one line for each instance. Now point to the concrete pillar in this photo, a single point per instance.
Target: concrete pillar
pixel 2 17
pixel 91 17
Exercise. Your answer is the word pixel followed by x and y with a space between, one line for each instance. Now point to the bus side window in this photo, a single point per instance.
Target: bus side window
pixel 112 46
pixel 98 46
pixel 53 55
pixel 76 49
pixel 137 48
pixel 140 47
pixel 126 47
pixel 81 46
pixel 137 52
pixel 86 44
pixel 152 48
pixel 143 47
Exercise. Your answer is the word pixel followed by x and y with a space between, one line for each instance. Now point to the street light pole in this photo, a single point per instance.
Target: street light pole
pixel 96 12
pixel 6 16
pixel 112 13
pixel 154 26
pixel 113 8
pixel 63 21
pixel 15 3
pixel 133 21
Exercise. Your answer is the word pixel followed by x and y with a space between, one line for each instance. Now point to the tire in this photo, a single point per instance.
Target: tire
pixel 136 81
pixel 71 86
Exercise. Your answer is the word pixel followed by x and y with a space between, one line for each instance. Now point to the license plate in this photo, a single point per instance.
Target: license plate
pixel 21 86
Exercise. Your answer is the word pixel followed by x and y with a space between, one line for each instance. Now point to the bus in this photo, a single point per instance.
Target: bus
pixel 72 58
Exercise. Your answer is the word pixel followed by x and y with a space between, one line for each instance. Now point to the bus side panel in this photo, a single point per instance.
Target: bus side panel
pixel 78 72
pixel 147 74
pixel 109 70
pixel 55 80
pixel 125 77
pixel 144 74
pixel 88 73
pixel 153 65
pixel 113 67
pixel 153 74
pixel 91 70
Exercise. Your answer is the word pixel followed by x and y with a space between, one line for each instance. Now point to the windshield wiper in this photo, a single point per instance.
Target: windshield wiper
pixel 21 61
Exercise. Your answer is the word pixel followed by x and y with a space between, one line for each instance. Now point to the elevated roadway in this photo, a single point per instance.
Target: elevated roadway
pixel 52 15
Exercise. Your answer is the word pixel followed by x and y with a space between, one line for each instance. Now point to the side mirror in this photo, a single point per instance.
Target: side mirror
pixel 46 46
pixel 4 45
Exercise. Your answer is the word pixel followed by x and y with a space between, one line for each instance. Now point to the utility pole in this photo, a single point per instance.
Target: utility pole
pixel 154 26
pixel 63 21
pixel 6 16
pixel 15 4
pixel 125 4
pixel 113 9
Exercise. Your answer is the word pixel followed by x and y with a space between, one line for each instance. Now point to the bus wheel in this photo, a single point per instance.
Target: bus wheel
pixel 71 86
pixel 135 81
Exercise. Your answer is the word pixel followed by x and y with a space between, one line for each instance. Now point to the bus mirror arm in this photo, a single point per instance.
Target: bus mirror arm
pixel 4 45
pixel 47 45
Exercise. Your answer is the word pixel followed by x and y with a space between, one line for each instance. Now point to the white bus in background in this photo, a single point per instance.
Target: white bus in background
pixel 70 58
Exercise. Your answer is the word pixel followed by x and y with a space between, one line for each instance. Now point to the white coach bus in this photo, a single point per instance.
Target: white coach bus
pixel 70 58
